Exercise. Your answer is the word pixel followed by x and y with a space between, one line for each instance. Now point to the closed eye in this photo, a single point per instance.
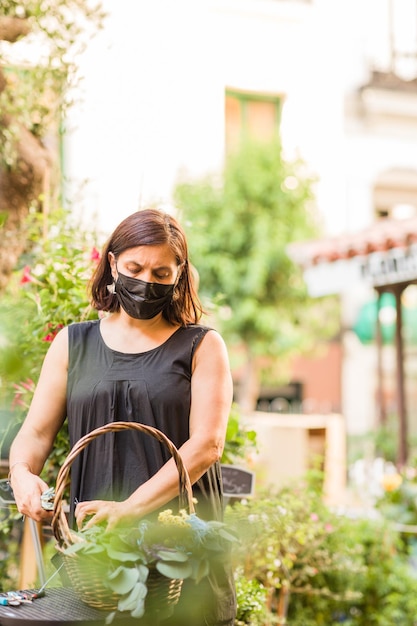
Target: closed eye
pixel 162 275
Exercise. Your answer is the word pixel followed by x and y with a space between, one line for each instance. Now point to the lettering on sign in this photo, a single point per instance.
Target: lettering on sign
pixel 387 268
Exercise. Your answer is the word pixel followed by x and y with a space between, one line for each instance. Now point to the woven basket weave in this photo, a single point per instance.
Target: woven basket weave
pixel 87 580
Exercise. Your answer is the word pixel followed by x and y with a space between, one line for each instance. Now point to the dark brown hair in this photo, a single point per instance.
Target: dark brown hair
pixel 149 227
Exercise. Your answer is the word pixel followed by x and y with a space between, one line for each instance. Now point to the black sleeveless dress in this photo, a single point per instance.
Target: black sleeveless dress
pixel 153 388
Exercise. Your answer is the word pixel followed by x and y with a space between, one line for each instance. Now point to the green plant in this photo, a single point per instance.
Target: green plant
pixel 390 582
pixel 294 545
pixel 48 290
pixel 251 597
pixel 240 440
pixel 319 567
pixel 9 548
pixel 177 546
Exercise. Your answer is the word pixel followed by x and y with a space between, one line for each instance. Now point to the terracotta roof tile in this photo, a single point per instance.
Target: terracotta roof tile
pixel 382 235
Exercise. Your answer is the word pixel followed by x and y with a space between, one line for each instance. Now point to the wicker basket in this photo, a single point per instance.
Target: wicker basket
pixel 87 580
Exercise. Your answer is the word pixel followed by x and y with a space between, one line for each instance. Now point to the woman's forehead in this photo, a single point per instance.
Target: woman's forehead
pixel 159 254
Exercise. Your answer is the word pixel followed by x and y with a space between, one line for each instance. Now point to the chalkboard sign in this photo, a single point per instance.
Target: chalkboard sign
pixel 237 482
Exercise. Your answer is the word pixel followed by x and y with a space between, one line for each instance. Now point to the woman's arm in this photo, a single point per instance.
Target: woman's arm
pixel 35 438
pixel 211 398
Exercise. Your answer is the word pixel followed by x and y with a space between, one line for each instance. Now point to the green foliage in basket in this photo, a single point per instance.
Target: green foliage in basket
pixel 177 546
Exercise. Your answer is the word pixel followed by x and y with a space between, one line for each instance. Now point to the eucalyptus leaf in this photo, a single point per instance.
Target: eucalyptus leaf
pixel 143 572
pixel 139 611
pixel 172 555
pixel 110 617
pixel 174 569
pixel 135 599
pixel 213 543
pixel 118 555
pixel 123 579
pixel 200 570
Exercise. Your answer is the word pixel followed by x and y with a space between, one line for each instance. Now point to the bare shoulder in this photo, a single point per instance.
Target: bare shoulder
pixel 214 339
pixel 212 347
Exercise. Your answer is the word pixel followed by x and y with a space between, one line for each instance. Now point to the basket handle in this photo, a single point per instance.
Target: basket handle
pixel 59 522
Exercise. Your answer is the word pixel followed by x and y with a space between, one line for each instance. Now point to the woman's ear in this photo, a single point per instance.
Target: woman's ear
pixel 113 265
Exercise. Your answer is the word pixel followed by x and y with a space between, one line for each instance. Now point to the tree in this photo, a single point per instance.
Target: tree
pixel 239 230
pixel 39 44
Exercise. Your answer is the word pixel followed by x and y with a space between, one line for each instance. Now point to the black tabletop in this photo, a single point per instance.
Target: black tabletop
pixel 58 606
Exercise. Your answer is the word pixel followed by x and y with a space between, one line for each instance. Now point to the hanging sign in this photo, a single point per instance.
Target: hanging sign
pixel 376 269
pixel 397 265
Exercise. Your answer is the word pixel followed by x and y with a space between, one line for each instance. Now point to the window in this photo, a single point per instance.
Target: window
pixel 251 116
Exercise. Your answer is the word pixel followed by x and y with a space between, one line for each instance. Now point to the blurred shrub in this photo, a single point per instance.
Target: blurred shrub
pixel 319 567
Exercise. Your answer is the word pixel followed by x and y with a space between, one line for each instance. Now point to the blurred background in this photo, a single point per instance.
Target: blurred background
pixel 168 95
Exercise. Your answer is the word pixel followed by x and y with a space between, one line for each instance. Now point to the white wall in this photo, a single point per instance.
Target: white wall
pixel 151 106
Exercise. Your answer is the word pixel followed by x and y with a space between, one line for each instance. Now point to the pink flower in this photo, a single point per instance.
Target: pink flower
pixel 20 393
pixel 26 276
pixel 314 517
pixel 53 331
pixel 29 385
pixel 95 254
pixel 17 400
pixel 328 528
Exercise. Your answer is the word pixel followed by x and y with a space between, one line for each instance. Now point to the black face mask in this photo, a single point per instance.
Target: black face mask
pixel 140 299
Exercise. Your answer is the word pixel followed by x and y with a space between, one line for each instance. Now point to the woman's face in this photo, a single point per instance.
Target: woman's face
pixel 152 264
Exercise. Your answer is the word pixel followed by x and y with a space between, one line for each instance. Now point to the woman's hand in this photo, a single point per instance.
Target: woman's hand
pixel 100 511
pixel 27 491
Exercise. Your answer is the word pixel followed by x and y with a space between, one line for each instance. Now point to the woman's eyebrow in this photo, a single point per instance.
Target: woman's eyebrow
pixel 156 268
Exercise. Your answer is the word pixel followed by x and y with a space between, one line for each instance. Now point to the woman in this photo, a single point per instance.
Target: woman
pixel 148 361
